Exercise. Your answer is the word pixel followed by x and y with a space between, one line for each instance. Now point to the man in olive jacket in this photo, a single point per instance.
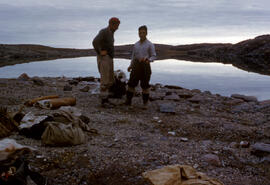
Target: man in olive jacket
pixel 103 44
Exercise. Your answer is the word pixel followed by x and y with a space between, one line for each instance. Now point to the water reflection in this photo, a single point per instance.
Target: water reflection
pixel 215 77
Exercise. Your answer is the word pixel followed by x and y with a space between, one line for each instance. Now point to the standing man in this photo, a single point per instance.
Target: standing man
pixel 103 44
pixel 143 53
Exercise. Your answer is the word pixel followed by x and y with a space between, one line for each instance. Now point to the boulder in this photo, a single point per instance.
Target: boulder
pixel 24 77
pixel 173 97
pixel 167 108
pixel 245 98
pixel 260 149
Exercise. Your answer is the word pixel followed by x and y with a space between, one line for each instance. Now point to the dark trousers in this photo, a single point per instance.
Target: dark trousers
pixel 141 71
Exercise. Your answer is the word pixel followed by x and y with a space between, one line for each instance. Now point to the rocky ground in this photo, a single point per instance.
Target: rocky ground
pixel 214 134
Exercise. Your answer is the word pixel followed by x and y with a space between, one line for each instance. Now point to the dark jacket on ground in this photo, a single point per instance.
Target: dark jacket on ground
pixel 104 41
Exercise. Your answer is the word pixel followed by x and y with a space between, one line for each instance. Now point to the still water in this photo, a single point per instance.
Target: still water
pixel 214 77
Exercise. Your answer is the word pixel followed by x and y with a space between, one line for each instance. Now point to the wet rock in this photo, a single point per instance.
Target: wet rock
pixel 242 108
pixel 173 97
pixel 260 149
pixel 85 89
pixel 245 98
pixel 196 99
pixel 196 91
pixel 211 159
pixel 207 93
pixel 156 87
pixel 73 82
pixel 173 87
pixel 24 77
pixel 38 81
pixel 234 101
pixel 185 95
pixel 157 96
pixel 167 108
pixel 87 79
pixel 67 88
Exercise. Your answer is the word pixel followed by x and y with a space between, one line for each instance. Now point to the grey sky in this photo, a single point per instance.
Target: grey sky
pixel 70 23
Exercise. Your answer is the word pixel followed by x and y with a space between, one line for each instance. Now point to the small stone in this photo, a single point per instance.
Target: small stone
pixel 184 139
pixel 85 89
pixel 171 133
pixel 244 144
pixel 67 88
pixel 215 152
pixel 144 144
pixel 212 159
pixel 195 166
pixel 155 118
pixel 38 81
pixel 233 145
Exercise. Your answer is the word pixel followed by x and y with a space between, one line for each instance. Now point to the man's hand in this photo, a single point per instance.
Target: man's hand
pixel 129 69
pixel 144 60
pixel 103 52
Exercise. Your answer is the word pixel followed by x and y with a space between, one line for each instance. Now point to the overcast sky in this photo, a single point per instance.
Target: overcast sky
pixel 71 23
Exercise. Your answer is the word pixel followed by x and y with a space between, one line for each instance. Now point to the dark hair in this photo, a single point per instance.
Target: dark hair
pixel 143 28
pixel 114 20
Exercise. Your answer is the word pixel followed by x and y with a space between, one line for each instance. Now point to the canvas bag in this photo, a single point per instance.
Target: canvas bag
pixel 59 134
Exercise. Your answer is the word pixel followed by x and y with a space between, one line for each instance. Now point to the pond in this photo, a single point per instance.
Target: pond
pixel 214 77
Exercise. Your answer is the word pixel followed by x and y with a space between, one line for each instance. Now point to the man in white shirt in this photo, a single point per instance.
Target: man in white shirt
pixel 143 53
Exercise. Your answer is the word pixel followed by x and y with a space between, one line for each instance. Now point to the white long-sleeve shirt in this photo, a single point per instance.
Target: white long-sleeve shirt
pixel 145 49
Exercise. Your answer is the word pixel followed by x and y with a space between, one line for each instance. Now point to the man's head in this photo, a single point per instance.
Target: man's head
pixel 114 23
pixel 142 32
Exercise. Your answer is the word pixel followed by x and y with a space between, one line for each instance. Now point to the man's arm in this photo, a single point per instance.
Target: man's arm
pixel 98 43
pixel 152 54
pixel 132 61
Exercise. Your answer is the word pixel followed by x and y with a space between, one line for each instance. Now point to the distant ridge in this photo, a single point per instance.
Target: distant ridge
pixel 250 55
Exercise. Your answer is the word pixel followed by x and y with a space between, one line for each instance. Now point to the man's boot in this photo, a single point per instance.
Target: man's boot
pixel 145 97
pixel 105 103
pixel 129 96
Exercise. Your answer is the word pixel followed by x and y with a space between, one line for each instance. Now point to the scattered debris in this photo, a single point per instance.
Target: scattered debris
pixel 180 175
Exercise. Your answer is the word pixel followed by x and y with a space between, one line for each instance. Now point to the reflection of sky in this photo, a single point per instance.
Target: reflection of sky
pixel 215 77
pixel 70 23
